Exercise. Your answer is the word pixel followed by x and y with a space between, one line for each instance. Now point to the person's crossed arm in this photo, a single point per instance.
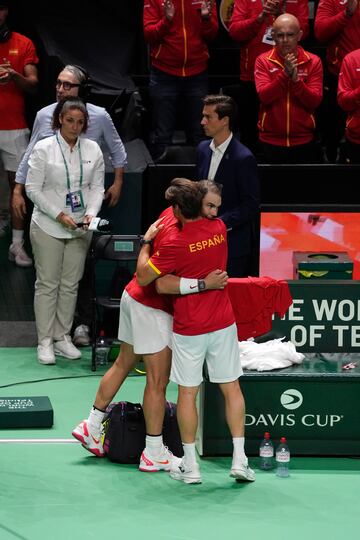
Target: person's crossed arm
pixel 170 284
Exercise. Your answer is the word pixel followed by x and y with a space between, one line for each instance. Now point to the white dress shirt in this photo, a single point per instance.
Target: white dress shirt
pixel 217 155
pixel 46 183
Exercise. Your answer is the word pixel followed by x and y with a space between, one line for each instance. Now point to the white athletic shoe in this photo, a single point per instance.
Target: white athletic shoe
pixel 187 474
pixel 45 354
pixel 88 441
pixel 162 462
pixel 66 348
pixel 242 472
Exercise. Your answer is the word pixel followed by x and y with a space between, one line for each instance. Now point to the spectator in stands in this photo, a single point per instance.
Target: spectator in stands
pixel 65 182
pixel 337 23
pixel 251 25
pixel 178 34
pixel 71 81
pixel 349 101
pixel 18 74
pixel 228 162
pixel 289 85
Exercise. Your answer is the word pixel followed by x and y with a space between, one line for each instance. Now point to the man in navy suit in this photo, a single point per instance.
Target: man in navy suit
pixel 227 161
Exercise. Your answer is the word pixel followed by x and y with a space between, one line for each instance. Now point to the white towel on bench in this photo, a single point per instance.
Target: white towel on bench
pixel 272 354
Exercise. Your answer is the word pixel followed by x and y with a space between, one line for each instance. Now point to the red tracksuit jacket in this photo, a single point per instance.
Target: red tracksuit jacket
pixel 342 33
pixel 349 94
pixel 179 47
pixel 245 27
pixel 286 116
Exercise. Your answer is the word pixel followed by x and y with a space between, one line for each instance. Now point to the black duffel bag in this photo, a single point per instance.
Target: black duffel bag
pixel 124 432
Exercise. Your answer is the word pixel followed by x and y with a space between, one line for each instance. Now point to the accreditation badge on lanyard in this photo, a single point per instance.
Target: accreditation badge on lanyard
pixel 267 37
pixel 74 199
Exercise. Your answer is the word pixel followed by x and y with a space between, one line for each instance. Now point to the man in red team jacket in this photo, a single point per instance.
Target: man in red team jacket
pixel 251 25
pixel 349 100
pixel 18 75
pixel 178 34
pixel 289 85
pixel 337 23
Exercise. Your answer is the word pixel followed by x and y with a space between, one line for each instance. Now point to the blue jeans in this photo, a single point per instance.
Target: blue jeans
pixel 166 91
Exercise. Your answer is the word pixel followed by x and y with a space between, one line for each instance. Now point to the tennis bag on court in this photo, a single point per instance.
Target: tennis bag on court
pixel 124 432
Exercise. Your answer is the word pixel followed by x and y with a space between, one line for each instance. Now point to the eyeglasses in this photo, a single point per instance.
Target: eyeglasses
pixel 66 85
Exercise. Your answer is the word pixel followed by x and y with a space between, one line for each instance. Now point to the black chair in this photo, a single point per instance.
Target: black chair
pixel 122 250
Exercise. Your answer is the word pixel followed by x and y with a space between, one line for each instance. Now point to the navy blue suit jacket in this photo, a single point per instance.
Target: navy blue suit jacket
pixel 238 174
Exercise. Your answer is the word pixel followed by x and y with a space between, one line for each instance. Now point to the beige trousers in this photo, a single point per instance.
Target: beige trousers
pixel 59 267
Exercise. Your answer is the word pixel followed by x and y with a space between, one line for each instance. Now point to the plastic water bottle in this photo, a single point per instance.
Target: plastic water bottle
pixel 102 350
pixel 266 452
pixel 282 459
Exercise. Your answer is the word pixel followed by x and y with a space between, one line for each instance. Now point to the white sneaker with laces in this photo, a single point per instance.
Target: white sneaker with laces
pixel 45 354
pixel 87 439
pixel 162 462
pixel 81 336
pixel 242 472
pixel 18 255
pixel 185 473
pixel 65 348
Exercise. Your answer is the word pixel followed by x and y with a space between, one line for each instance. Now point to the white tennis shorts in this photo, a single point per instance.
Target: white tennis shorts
pixel 13 143
pixel 147 329
pixel 219 349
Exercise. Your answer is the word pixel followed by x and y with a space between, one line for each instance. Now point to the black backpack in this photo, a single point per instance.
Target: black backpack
pixel 124 432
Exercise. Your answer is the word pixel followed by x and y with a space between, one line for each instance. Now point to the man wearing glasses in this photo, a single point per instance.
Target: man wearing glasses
pixel 72 81
pixel 288 81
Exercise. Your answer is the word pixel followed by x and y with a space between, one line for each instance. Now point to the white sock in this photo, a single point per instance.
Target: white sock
pixel 154 444
pixel 239 455
pixel 94 421
pixel 189 453
pixel 17 236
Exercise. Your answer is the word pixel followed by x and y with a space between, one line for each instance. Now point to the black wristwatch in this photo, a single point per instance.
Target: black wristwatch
pixel 201 285
pixel 143 242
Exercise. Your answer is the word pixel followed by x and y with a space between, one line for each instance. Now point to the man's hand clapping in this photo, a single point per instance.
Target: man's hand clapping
pixel 270 7
pixel 169 9
pixel 206 8
pixel 291 66
pixel 350 7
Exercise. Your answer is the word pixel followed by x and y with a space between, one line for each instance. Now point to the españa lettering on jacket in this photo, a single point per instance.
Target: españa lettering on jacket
pixel 206 244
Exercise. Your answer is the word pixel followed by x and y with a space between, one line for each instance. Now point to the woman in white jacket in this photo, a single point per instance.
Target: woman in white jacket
pixel 66 184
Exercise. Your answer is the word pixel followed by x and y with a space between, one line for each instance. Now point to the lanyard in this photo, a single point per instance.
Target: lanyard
pixel 66 165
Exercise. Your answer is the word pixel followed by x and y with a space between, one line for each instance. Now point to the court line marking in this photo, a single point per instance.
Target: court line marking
pixel 39 441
